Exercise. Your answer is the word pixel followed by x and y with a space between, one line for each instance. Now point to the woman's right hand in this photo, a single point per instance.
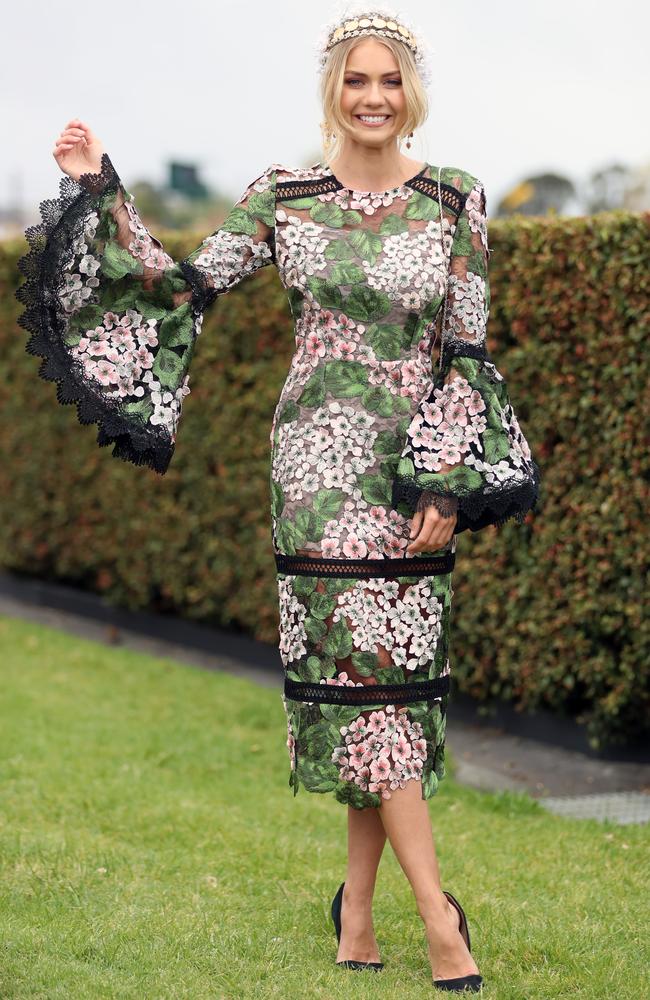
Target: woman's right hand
pixel 78 150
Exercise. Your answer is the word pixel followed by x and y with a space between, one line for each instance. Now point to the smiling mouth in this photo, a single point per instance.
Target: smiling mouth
pixel 373 120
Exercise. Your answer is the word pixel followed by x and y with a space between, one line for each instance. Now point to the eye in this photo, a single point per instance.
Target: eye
pixel 353 80
pixel 396 82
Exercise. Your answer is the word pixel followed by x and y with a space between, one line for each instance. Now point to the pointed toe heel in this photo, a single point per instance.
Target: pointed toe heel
pixel 348 963
pixel 463 984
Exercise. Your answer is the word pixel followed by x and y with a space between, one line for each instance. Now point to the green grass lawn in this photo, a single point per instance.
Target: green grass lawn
pixel 151 847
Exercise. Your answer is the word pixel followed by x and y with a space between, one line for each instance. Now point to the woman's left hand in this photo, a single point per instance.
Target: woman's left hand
pixel 430 530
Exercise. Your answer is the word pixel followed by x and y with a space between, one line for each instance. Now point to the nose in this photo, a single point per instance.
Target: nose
pixel 374 98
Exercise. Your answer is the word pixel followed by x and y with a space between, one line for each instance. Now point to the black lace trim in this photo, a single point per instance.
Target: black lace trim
pixel 450 196
pixel 446 505
pixel 62 219
pixel 286 190
pixel 456 347
pixel 369 694
pixel 203 292
pixel 479 508
pixel 364 568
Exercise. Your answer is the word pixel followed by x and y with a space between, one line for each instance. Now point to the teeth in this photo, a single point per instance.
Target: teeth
pixel 373 118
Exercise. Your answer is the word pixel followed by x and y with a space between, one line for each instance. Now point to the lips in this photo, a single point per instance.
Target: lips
pixel 379 120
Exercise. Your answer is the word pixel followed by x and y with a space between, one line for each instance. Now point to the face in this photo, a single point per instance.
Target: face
pixel 372 99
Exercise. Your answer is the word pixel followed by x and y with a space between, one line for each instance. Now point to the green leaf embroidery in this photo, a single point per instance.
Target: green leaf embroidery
pixel 339 641
pixel 177 329
pixel 366 244
pixel 422 207
pixel 392 225
pixel 328 214
pixel 261 205
pixel 239 220
pixel 168 368
pixel 378 399
pixel 314 392
pixel 286 536
pixel 345 378
pixel 327 294
pixel 463 245
pixel 321 605
pixel 116 262
pixel 365 304
pixel 365 664
pixel 299 204
pixel 327 503
pixel 388 340
pixel 143 408
pixel 338 250
pixel 277 499
pixel 347 273
pixel 387 443
pixel 289 412
pixel 315 629
pixel 375 489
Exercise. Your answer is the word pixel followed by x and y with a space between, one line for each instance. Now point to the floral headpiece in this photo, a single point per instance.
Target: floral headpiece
pixel 356 19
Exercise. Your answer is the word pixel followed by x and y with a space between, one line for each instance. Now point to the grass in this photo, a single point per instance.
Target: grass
pixel 150 848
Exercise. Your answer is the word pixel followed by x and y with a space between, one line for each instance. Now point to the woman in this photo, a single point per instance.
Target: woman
pixel 381 453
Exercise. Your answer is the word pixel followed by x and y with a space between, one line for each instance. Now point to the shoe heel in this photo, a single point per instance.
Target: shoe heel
pixel 463 925
pixel 348 963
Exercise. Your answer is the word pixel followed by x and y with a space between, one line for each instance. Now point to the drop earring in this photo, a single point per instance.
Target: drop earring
pixel 408 140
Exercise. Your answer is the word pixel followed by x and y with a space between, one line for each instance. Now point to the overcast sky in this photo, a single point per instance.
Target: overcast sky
pixel 519 86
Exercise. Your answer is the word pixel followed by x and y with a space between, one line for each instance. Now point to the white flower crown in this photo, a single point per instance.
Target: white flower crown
pixel 358 18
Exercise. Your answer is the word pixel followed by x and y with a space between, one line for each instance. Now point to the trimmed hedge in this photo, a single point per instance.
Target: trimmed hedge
pixel 545 614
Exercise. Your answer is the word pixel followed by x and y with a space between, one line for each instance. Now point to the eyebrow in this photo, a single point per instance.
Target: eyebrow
pixel 392 72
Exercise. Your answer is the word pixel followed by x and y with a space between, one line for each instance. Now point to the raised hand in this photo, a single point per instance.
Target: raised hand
pixel 78 150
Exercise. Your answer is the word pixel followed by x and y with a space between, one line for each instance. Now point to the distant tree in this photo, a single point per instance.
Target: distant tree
pixel 542 194
pixel 606 188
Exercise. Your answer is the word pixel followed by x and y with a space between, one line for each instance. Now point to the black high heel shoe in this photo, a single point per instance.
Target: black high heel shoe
pixel 348 963
pixel 461 984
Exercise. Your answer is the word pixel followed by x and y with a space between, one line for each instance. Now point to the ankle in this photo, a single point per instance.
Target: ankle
pixel 357 897
pixel 434 908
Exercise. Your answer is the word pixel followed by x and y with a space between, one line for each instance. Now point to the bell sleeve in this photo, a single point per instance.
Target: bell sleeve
pixel 116 319
pixel 465 452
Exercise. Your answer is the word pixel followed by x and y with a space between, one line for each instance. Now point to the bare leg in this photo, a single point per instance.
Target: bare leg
pixel 366 840
pixel 406 820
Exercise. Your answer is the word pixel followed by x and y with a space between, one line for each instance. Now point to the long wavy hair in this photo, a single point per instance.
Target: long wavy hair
pixel 333 126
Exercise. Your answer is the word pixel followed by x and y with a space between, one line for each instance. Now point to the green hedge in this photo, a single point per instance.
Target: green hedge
pixel 545 614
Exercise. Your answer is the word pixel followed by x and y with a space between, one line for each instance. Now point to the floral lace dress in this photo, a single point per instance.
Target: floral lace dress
pixel 371 424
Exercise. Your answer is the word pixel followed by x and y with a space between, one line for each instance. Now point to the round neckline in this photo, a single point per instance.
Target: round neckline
pixel 393 190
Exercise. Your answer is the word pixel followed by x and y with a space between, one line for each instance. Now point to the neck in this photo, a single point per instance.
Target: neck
pixel 365 168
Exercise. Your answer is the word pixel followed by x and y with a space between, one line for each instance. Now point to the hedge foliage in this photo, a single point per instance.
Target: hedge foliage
pixel 546 614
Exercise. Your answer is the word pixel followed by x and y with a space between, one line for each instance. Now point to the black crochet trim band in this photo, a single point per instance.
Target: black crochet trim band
pixel 62 219
pixel 364 568
pixel 369 694
pixel 479 508
pixel 450 196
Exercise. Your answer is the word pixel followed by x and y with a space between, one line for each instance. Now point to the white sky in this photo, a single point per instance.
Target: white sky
pixel 518 87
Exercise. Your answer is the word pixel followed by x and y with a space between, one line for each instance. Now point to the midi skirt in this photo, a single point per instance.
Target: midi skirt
pixel 365 649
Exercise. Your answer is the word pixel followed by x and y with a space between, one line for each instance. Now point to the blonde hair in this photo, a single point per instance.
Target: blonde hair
pixel 334 127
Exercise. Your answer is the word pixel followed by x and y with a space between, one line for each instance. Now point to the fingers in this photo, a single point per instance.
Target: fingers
pixel 431 531
pixel 74 132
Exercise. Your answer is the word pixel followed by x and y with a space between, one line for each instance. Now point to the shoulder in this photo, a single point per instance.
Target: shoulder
pixel 470 190
pixel 462 180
